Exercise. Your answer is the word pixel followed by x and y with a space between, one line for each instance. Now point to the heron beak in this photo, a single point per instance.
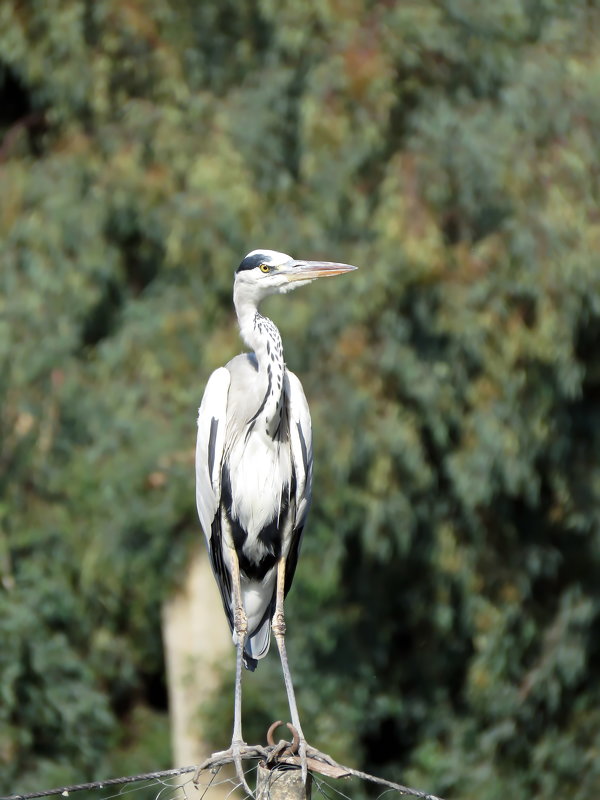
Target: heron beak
pixel 309 270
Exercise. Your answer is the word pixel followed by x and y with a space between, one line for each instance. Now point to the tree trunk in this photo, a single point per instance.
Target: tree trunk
pixel 196 641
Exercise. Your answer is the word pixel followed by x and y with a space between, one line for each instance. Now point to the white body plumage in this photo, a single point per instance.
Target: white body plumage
pixel 254 474
pixel 261 509
pixel 254 467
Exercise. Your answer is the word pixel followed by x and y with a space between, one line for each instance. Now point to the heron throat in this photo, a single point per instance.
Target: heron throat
pixel 263 336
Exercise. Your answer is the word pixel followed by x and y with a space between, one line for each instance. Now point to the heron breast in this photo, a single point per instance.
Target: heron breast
pixel 261 473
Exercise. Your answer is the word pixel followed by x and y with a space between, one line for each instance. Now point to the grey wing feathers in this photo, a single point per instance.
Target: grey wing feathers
pixel 212 426
pixel 302 461
pixel 210 444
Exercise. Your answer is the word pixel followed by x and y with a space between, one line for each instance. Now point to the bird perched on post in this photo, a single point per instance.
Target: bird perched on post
pixel 254 473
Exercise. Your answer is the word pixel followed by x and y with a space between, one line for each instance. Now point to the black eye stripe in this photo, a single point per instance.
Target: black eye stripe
pixel 253 261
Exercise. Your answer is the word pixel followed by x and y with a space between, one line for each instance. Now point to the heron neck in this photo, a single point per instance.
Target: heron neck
pixel 262 335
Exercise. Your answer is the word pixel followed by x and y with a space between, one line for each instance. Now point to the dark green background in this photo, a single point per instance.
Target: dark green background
pixel 444 626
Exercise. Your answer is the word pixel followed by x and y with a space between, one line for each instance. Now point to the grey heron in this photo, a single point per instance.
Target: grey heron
pixel 254 473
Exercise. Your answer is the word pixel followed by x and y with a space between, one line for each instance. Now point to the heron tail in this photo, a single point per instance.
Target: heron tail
pixel 249 662
pixel 257 644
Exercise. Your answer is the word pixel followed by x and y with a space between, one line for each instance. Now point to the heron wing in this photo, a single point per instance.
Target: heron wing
pixel 210 444
pixel 302 464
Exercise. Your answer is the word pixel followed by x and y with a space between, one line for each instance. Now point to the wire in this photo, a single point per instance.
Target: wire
pixel 65 791
pixel 212 765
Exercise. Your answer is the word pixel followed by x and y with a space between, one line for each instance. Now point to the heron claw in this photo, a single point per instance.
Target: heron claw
pixel 303 761
pixel 236 754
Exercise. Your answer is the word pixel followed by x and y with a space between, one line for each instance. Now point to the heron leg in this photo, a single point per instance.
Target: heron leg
pixel 240 626
pixel 278 626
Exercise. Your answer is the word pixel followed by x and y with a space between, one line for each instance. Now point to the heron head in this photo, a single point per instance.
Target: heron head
pixel 266 272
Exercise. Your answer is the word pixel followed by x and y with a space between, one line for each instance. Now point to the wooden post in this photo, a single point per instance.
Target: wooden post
pixel 282 784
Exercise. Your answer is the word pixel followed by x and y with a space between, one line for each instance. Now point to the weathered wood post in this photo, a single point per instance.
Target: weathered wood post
pixel 282 784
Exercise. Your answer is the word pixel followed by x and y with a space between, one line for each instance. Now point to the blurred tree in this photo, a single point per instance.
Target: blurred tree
pixel 447 599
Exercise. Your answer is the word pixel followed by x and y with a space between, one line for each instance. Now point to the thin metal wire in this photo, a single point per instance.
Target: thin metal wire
pixel 124 790
pixel 321 783
pixel 92 785
pixel 168 788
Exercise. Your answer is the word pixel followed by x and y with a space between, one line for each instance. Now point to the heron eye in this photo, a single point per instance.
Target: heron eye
pixel 264 268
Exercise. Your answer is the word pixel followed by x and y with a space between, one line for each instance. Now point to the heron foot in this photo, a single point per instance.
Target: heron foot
pixel 288 753
pixel 303 759
pixel 236 752
pixel 233 755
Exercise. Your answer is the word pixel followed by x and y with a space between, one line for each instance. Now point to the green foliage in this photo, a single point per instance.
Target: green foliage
pixel 445 619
